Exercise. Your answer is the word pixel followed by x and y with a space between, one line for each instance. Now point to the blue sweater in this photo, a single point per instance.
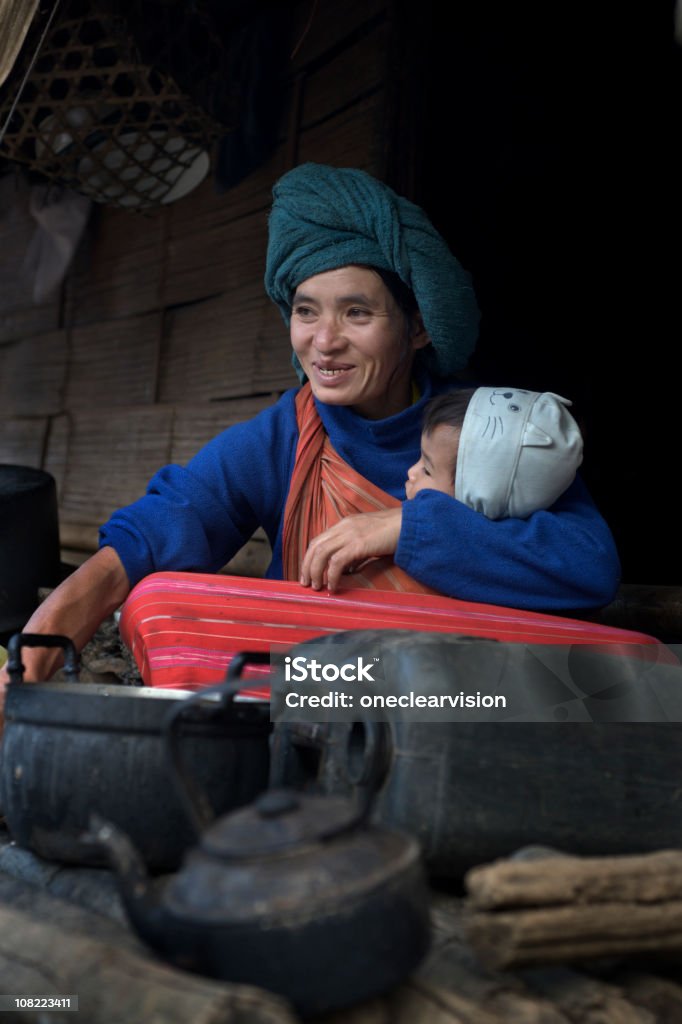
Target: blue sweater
pixel 195 518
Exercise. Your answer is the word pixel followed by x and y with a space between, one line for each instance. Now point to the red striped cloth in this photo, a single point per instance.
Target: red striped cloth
pixel 184 628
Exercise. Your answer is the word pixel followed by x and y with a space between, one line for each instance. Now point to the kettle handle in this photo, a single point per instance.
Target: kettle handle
pixel 372 768
pixel 195 803
pixel 15 667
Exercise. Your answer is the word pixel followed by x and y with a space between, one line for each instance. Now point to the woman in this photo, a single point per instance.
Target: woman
pixel 381 317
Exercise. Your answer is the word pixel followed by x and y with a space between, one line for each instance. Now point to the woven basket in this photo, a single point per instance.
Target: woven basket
pixel 93 117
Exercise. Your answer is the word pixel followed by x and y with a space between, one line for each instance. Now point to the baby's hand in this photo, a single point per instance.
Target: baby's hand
pixel 349 543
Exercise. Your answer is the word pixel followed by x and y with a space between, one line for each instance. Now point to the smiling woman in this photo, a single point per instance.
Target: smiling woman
pixel 354 343
pixel 382 316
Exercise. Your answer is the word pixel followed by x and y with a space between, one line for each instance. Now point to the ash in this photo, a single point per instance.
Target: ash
pixel 105 659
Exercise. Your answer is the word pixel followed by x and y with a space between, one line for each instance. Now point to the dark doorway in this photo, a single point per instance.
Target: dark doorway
pixel 549 133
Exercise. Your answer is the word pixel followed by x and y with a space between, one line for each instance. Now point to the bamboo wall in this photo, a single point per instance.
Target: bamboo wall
pixel 162 334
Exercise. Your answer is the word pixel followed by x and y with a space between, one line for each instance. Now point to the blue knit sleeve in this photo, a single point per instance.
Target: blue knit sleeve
pixel 196 517
pixel 555 560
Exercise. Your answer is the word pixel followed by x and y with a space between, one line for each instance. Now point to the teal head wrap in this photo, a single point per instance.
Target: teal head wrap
pixel 325 217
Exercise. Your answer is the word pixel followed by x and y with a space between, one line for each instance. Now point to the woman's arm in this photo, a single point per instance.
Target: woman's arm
pixel 556 560
pixel 74 609
pixel 194 518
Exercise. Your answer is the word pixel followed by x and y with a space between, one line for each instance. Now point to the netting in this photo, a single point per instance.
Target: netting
pixel 94 117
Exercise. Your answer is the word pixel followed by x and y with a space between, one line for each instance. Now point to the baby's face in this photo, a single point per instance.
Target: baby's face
pixel 436 467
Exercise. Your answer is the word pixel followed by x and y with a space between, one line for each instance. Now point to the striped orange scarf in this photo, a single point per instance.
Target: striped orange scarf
pixel 325 489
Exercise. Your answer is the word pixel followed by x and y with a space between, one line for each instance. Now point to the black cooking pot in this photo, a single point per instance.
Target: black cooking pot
pixel 29 542
pixel 72 749
pixel 592 776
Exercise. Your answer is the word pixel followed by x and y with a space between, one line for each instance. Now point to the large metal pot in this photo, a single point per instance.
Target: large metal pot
pixel 72 749
pixel 596 775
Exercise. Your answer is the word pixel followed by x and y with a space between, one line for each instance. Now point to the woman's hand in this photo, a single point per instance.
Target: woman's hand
pixel 348 544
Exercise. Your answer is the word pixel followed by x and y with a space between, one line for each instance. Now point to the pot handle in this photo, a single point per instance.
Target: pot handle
pixel 365 766
pixel 15 668
pixel 195 803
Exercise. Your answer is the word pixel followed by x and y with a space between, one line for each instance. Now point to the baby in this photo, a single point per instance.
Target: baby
pixel 503 452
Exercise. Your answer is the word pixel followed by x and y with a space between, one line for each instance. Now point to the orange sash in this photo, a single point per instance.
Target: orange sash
pixel 325 489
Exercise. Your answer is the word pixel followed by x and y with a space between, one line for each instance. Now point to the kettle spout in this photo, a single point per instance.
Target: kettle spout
pixel 139 899
pixel 120 852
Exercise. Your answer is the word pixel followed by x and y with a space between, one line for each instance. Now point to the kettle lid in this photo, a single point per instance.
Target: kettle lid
pixel 277 820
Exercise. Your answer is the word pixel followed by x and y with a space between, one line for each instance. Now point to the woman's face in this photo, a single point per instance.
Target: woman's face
pixel 354 342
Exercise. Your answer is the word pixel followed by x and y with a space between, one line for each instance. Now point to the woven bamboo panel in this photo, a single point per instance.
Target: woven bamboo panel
pixel 235 344
pixel 23 322
pixel 118 269
pixel 209 349
pixel 57 449
pixel 227 256
pixel 354 138
pixel 114 363
pixel 22 441
pixel 273 352
pixel 33 375
pixel 331 22
pixel 112 455
pixel 195 425
pixel 351 74
pixel 354 71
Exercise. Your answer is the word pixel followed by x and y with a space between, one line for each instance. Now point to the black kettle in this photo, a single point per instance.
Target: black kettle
pixel 296 893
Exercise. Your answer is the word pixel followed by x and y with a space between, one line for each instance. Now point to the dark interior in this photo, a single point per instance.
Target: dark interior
pixel 548 163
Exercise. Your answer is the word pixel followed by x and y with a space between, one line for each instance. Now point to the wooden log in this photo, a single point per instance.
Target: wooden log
pixel 661 996
pixel 418 1002
pixel 114 983
pixel 587 1000
pixel 572 933
pixel 453 987
pixel 538 995
pixel 640 878
pixel 92 888
pixel 452 970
